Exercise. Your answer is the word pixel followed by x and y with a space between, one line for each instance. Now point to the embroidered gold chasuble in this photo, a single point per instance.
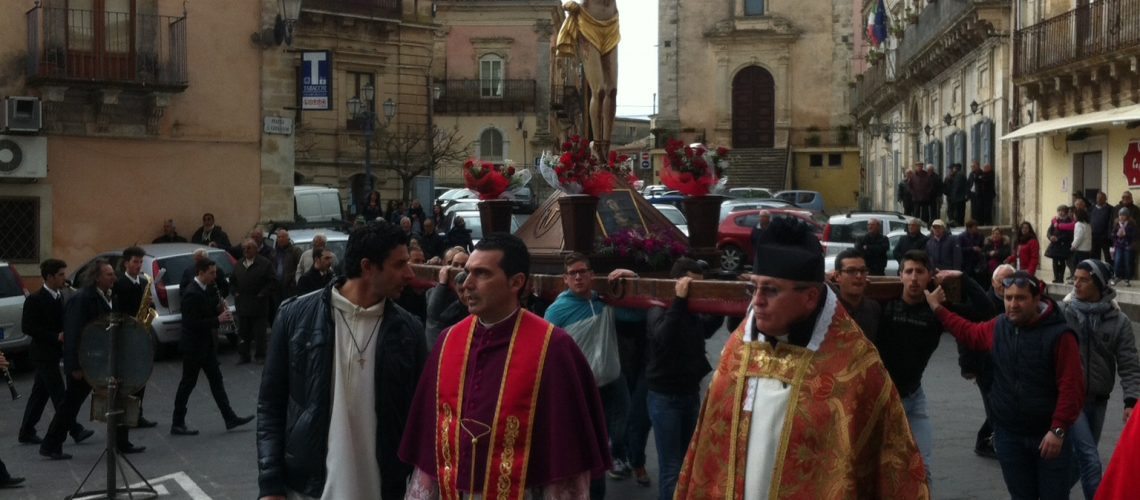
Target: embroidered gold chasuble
pixel 845 434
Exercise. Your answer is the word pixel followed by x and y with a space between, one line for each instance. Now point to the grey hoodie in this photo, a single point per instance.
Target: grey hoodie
pixel 1107 346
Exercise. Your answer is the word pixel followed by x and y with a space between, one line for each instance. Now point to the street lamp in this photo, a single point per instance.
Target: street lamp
pixel 362 110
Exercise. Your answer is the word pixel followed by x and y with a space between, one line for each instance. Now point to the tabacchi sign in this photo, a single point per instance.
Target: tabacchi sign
pixel 316 80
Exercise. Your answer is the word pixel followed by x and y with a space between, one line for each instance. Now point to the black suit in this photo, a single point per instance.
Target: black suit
pixel 222 283
pixel 43 321
pixel 199 351
pixel 312 280
pixel 84 307
pixel 128 297
pixel 253 288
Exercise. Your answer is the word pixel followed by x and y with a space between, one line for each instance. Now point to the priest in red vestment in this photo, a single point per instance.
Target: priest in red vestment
pixel 800 405
pixel 1121 480
pixel 507 404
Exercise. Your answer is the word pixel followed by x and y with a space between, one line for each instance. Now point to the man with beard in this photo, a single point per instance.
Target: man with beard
pixel 210 234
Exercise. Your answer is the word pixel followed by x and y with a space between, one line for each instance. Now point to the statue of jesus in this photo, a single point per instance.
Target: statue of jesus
pixel 591 33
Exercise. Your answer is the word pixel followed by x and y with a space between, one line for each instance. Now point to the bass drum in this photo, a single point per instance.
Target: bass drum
pixel 133 353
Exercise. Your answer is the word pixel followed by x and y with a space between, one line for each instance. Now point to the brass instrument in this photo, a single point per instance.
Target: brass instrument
pixel 229 327
pixel 147 313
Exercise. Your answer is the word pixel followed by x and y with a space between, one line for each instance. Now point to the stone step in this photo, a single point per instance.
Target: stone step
pixel 758 167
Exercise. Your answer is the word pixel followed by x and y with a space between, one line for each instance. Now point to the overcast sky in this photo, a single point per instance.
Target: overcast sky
pixel 637 57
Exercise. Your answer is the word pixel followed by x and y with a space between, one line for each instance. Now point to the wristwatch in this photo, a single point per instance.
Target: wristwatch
pixel 1059 432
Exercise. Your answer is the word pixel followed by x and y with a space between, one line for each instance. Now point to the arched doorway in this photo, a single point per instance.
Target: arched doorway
pixel 753 109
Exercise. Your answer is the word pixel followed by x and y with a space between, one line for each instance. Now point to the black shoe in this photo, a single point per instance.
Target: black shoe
pixel 985 451
pixel 129 448
pixel 82 436
pixel 30 439
pixel 12 482
pixel 182 430
pixel 54 454
pixel 146 424
pixel 238 421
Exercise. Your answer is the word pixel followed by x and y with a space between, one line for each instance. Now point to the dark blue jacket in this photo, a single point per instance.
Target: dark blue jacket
pixel 1024 393
pixel 945 254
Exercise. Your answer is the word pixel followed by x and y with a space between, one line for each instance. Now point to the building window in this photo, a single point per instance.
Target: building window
pixel 491 145
pixel 815 160
pixel 491 76
pixel 753 7
pixel 20 240
pixel 356 82
pixel 835 160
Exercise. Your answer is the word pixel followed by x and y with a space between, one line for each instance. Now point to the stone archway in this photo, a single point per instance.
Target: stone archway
pixel 753 108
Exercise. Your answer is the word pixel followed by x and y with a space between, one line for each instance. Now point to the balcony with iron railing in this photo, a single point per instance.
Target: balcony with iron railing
pixel 387 9
pixel 832 138
pixel 875 84
pixel 1080 37
pixel 485 96
pixel 106 49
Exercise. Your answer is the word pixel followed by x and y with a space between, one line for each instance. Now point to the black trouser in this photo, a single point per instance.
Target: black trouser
pixel 192 363
pixel 1059 264
pixel 251 329
pixel 1102 248
pixel 1075 259
pixel 924 210
pixel 48 384
pixel 983 208
pixel 958 215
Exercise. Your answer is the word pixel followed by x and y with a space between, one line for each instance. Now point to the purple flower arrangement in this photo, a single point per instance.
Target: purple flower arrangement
pixel 656 249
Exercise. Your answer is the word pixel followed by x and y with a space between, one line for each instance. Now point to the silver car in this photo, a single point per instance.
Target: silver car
pixel 175 259
pixel 336 241
pixel 12 294
pixel 675 216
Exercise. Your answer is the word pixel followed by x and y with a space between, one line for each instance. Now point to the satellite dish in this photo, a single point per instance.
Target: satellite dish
pixel 133 353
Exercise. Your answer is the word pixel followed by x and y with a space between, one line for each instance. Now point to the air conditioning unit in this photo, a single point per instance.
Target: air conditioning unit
pixel 23 156
pixel 22 115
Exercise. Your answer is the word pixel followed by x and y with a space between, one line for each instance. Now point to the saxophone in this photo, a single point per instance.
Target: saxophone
pixel 146 313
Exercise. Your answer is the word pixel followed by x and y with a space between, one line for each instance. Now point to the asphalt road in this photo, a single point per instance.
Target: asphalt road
pixel 220 465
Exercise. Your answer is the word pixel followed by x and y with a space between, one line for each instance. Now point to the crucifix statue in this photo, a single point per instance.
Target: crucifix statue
pixel 590 33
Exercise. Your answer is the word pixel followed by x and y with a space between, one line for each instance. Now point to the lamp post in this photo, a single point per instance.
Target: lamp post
pixel 362 110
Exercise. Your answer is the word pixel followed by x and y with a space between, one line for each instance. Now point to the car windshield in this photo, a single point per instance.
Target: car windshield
pixel 9 287
pixel 675 216
pixel 176 265
pixel 456 194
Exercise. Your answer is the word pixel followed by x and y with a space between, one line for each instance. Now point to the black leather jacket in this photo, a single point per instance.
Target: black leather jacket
pixel 293 407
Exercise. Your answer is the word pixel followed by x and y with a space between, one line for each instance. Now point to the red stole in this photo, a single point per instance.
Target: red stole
pixel 509 451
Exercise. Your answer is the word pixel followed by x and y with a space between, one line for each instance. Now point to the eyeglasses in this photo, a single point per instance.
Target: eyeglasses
pixel 1020 281
pixel 855 271
pixel 768 291
pixel 579 272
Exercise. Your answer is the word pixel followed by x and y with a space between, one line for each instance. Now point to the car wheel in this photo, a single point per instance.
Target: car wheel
pixel 731 258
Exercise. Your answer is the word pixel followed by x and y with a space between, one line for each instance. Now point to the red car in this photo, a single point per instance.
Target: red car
pixel 734 237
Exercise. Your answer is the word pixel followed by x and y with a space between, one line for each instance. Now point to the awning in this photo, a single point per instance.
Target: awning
pixel 1125 114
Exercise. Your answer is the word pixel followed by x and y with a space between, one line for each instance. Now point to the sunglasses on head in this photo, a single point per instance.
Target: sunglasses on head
pixel 1020 281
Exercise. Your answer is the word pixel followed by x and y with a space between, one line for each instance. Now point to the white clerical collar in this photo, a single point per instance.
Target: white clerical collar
pixel 497 323
pixel 819 332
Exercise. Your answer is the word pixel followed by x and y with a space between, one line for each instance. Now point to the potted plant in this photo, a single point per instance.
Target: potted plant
pixel 496 185
pixel 582 177
pixel 699 173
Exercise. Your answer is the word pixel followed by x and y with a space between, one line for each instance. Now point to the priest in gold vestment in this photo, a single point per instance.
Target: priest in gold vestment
pixel 800 405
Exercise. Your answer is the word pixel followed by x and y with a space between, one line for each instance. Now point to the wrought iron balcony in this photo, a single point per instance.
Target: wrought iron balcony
pixel 875 86
pixel 371 8
pixel 486 96
pixel 83 47
pixel 1078 37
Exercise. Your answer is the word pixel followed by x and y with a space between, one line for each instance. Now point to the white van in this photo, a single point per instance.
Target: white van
pixel 316 204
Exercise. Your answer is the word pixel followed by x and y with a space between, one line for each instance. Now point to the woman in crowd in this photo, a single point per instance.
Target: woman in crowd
pixel 1123 246
pixel 1028 255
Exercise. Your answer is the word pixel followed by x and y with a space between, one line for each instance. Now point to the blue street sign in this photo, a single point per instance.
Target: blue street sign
pixel 316 80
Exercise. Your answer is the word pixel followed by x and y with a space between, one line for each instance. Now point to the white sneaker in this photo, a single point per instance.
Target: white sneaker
pixel 620 470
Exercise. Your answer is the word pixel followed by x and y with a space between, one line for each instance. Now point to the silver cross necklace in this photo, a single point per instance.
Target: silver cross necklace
pixel 359 350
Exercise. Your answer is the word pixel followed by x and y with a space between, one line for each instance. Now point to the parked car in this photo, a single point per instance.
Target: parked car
pixel 892 264
pixel 749 193
pixel 12 294
pixel 734 236
pixel 811 200
pixel 175 258
pixel 316 204
pixel 336 241
pixel 654 191
pixel 524 202
pixel 675 216
pixel 729 206
pixel 475 224
pixel 843 229
pixel 669 198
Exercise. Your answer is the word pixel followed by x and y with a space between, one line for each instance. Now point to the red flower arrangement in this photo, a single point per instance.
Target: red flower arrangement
pixel 578 171
pixel 656 248
pixel 693 170
pixel 489 180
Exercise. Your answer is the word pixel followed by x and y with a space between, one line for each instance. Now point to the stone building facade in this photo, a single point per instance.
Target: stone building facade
pixel 764 77
pixel 140 123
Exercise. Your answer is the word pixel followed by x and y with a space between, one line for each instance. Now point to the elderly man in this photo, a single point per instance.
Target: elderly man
pixel 253 285
pixel 169 234
pixel 210 234
pixel 875 246
pixel 306 261
pixel 800 405
pixel 921 184
pixel 286 258
pixel 1038 388
pixel 943 248
pixel 912 240
pixel 1108 347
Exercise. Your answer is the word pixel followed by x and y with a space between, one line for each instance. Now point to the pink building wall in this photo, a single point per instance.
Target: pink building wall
pixel 521 56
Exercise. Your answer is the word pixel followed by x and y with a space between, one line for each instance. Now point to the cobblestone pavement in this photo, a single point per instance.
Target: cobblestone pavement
pixel 222 465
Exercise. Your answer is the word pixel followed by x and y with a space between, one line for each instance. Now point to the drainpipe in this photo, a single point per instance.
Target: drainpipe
pixel 1015 123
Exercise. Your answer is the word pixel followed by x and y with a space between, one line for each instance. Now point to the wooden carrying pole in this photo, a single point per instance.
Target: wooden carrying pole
pixel 726 298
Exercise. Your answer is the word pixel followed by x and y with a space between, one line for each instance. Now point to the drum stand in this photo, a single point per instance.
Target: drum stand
pixel 111 454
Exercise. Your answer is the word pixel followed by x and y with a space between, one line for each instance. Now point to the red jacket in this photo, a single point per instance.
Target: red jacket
pixel 1028 257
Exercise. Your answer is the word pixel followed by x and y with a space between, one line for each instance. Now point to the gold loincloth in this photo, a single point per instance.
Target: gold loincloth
pixel 603 35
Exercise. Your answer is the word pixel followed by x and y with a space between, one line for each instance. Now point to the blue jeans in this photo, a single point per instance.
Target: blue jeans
pixel 674 418
pixel 1122 263
pixel 920 426
pixel 1085 434
pixel 637 426
pixel 1027 475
